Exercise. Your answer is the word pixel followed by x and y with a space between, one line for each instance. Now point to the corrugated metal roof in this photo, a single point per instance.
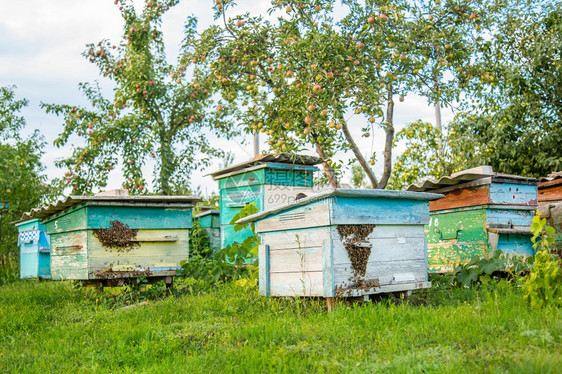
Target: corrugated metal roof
pixel 144 200
pixel 344 192
pixel 203 214
pixel 281 158
pixel 469 175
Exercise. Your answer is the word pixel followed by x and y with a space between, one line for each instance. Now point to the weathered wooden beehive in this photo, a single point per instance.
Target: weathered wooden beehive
pixel 210 222
pixel 550 205
pixel 33 242
pixel 482 211
pixel 343 243
pixel 111 238
pixel 267 181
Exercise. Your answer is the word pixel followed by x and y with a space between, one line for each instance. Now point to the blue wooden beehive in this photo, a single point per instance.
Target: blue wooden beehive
pixel 33 242
pixel 268 181
pixel 482 211
pixel 159 238
pixel 344 242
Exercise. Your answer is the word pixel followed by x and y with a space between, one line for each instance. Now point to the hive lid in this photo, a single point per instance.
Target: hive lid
pixel 113 200
pixel 206 213
pixel 281 158
pixel 480 173
pixel 344 192
pixel 553 179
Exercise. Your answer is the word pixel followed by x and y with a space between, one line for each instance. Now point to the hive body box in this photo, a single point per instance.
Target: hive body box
pixel 481 212
pixel 210 222
pixel 267 181
pixel 33 242
pixel 303 254
pixel 550 205
pixel 163 224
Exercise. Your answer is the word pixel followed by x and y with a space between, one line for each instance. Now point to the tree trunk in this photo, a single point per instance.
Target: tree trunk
pixel 389 138
pixel 332 179
pixel 166 156
pixel 359 156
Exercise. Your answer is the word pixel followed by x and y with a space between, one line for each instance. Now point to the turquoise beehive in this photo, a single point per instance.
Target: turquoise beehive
pixel 33 242
pixel 266 180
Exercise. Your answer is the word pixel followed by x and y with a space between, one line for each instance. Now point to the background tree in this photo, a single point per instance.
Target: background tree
pixel 302 77
pixel 158 112
pixel 514 120
pixel 22 182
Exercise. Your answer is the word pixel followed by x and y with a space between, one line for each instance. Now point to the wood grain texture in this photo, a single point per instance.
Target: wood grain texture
pixel 550 193
pixel 513 194
pixel 395 250
pixel 312 215
pixel 470 196
pixel 379 210
pixel 140 217
pixel 73 219
pixel 293 264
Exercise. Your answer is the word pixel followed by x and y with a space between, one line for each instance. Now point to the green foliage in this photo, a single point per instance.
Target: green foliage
pixel 159 113
pixel 299 78
pixel 512 119
pixel 22 182
pixel 427 154
pixel 543 286
pixel 230 328
pixel 358 176
pixel 199 241
pixel 234 262
pixel 481 270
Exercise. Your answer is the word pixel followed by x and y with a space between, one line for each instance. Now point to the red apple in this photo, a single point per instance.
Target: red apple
pixel 311 107
pixel 371 19
pixel 383 17
pixel 307 120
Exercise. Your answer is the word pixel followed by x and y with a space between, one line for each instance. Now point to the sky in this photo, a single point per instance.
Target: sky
pixel 40 53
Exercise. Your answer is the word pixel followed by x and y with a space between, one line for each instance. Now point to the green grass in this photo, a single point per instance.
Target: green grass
pixel 53 327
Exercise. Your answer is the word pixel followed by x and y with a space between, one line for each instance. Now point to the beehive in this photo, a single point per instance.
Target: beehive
pixel 482 211
pixel 210 222
pixel 344 243
pixel 33 243
pixel 267 181
pixel 158 229
pixel 550 205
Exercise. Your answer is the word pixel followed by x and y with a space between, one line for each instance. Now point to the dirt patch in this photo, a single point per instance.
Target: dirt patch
pixel 110 274
pixel 118 237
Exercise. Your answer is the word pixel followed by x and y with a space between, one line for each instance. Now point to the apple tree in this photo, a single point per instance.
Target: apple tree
pixel 514 120
pixel 23 185
pixel 158 113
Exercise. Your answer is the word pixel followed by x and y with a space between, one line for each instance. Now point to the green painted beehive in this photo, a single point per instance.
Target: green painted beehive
pixel 268 181
pixel 116 237
pixel 210 222
pixel 482 211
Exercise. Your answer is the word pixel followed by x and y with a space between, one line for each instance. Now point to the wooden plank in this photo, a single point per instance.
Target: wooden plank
pixel 275 195
pixel 550 193
pixel 379 210
pixel 263 270
pixel 69 267
pixel 69 243
pixel 178 247
pixel 292 239
pixel 312 215
pixel 72 220
pixel 328 285
pixel 383 271
pixel 387 289
pixel 513 194
pixel 140 218
pixel 296 284
pixel 511 217
pixel 461 198
pixel 302 259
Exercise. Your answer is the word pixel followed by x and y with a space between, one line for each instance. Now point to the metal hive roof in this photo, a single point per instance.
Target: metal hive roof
pixel 147 201
pixel 478 173
pixel 344 192
pixel 283 158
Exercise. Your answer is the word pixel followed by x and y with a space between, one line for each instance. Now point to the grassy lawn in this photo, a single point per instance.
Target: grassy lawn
pixel 53 327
